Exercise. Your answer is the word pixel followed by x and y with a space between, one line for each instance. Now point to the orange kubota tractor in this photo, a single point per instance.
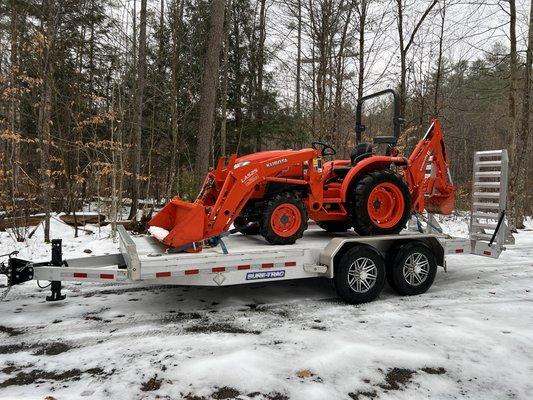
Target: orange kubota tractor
pixel 274 193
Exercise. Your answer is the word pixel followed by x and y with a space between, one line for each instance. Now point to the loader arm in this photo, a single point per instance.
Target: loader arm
pixel 240 183
pixel 224 193
pixel 434 192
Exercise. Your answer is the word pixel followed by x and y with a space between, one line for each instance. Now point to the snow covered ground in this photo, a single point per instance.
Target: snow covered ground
pixel 470 336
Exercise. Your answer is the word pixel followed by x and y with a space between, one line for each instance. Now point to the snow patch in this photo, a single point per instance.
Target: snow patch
pixel 158 233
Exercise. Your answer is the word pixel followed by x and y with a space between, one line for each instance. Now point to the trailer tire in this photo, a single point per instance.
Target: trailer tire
pixel 381 204
pixel 413 269
pixel 334 226
pixel 284 219
pixel 360 275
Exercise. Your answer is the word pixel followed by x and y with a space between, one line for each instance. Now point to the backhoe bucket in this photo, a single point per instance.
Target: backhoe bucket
pixel 184 221
pixel 443 204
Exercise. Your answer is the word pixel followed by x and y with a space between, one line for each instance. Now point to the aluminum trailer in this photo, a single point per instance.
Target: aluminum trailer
pixel 359 266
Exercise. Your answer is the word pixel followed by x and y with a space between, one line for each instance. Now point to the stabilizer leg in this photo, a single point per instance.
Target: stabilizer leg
pixel 57 259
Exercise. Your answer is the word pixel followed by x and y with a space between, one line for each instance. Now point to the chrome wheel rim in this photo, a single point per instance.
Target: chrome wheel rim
pixel 362 275
pixel 416 269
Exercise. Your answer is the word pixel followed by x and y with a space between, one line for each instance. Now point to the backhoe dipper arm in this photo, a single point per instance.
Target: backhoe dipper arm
pixel 435 192
pixel 240 183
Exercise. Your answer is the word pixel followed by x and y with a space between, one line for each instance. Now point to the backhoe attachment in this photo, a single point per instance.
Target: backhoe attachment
pixel 428 175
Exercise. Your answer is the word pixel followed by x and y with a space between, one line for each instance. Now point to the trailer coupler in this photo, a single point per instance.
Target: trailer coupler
pixel 19 271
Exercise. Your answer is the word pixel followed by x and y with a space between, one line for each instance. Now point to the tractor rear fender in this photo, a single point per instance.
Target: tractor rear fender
pixel 365 166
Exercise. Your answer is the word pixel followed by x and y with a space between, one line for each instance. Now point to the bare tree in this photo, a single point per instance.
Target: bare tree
pixel 209 89
pixel 514 138
pixel 299 58
pixel 438 74
pixel 176 25
pixel 406 41
pixel 136 136
pixel 45 107
pixel 520 135
pixel 362 10
pixel 260 67
pixel 14 107
pixel 224 83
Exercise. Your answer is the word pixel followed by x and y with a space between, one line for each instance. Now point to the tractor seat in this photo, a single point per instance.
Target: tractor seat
pixel 360 152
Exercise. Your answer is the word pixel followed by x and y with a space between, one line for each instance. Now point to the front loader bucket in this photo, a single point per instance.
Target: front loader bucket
pixel 184 221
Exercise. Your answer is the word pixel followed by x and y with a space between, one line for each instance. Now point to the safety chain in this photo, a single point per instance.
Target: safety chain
pixel 6 292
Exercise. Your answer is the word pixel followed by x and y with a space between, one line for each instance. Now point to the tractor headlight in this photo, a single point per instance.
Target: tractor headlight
pixel 241 164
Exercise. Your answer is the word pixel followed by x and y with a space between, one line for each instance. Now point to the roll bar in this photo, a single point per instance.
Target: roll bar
pixel 397 120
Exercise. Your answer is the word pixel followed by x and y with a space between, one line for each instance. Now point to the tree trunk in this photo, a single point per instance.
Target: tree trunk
pixel 339 83
pixel 260 69
pixel 209 89
pixel 439 61
pixel 224 84
pixel 138 114
pixel 174 178
pixel 238 62
pixel 521 139
pixel 403 62
pixel 45 113
pixel 513 120
pixel 362 10
pixel 404 49
pixel 14 106
pixel 299 61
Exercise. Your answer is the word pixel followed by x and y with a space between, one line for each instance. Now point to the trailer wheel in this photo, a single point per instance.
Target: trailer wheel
pixel 381 204
pixel 360 275
pixel 284 219
pixel 334 226
pixel 413 269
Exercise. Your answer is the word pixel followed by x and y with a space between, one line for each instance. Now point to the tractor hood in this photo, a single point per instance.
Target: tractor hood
pixel 264 155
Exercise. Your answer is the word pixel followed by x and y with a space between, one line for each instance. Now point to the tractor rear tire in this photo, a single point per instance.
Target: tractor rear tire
pixel 334 226
pixel 381 204
pixel 284 219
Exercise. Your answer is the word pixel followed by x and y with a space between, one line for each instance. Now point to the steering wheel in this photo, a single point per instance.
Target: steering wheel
pixel 327 150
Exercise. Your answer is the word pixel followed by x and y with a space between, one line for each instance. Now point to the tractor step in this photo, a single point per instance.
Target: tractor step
pixel 488 185
pixel 487 195
pixel 484 226
pixel 488 174
pixel 489 153
pixel 478 206
pixel 481 215
pixel 494 163
pixel 481 236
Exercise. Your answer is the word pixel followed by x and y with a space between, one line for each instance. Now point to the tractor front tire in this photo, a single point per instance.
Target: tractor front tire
pixel 241 223
pixel 284 219
pixel 334 226
pixel 381 204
